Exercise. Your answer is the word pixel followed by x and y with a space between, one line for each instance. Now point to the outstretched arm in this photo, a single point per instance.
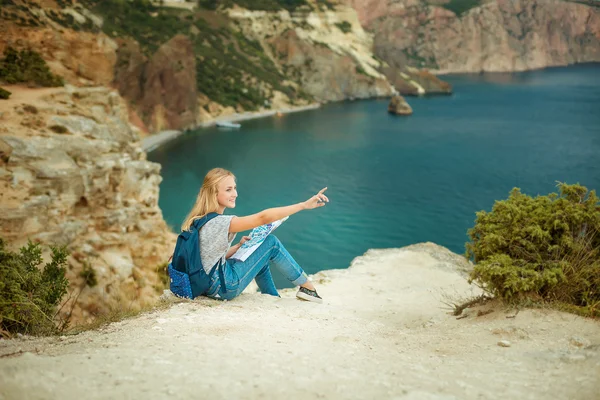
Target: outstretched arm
pixel 241 224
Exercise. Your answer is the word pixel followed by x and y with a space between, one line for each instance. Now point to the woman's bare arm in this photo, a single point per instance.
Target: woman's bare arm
pixel 241 224
pixel 236 247
pixel 232 250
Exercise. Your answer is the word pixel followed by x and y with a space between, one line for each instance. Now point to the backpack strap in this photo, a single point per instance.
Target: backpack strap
pixel 221 274
pixel 200 222
pixel 218 267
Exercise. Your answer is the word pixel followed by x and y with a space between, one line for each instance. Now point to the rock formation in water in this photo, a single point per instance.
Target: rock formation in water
pixel 72 173
pixel 399 106
pixel 492 35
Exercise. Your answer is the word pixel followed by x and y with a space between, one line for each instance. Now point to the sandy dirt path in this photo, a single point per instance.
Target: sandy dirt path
pixel 383 332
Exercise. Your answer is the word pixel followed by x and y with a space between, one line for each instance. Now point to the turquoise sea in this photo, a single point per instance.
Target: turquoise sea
pixel 395 181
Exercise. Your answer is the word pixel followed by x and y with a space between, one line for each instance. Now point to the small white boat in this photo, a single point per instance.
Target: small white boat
pixel 225 124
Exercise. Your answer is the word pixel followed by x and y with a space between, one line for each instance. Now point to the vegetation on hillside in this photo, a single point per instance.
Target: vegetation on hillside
pixel 26 66
pixel 142 20
pixel 29 295
pixel 4 94
pixel 231 69
pixel 591 3
pixel 27 13
pixel 542 249
pixel 265 5
pixel 344 26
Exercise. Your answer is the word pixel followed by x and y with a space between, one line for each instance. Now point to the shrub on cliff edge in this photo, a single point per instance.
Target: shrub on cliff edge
pixel 26 66
pixel 29 295
pixel 4 94
pixel 545 248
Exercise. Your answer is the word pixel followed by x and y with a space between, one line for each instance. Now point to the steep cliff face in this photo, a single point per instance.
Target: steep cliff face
pixel 72 172
pixel 162 90
pixel 327 52
pixel 496 35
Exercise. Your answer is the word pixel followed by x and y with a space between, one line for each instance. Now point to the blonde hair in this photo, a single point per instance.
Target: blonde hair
pixel 206 202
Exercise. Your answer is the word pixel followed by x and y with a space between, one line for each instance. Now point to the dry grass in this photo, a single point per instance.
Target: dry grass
pixel 116 314
pixel 457 304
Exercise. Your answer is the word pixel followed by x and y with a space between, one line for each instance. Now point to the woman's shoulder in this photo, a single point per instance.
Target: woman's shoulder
pixel 220 220
pixel 223 216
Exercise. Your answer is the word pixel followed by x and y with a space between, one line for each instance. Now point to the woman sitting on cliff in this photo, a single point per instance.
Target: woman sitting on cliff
pixel 218 192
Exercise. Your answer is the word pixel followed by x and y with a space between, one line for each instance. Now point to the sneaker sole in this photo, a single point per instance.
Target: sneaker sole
pixel 307 297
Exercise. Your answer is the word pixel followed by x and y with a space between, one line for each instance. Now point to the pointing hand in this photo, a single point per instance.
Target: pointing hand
pixel 318 200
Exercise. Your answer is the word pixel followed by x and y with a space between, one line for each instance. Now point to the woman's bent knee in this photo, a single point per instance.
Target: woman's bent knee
pixel 272 240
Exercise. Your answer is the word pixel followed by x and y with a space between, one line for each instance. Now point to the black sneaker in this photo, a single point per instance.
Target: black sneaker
pixel 308 295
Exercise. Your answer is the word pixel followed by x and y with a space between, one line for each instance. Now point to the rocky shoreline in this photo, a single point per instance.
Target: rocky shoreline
pixel 152 142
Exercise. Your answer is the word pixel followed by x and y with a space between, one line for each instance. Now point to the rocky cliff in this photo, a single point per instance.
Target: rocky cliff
pixel 162 88
pixel 326 52
pixel 72 173
pixel 177 68
pixel 486 35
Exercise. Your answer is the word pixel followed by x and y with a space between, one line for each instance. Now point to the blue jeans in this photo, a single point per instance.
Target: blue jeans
pixel 239 274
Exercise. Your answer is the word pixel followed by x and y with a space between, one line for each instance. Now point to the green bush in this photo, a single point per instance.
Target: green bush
pixel 267 5
pixel 344 26
pixel 325 4
pixel 4 94
pixel 460 7
pixel 88 273
pixel 26 66
pixel 227 64
pixel 58 129
pixel 540 249
pixel 149 25
pixel 29 295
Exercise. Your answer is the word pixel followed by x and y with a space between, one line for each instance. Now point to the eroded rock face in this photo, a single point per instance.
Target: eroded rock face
pixel 163 89
pixel 330 64
pixel 499 35
pixel 325 74
pixel 414 82
pixel 73 173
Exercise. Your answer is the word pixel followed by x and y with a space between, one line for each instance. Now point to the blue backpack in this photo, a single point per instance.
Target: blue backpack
pixel 188 277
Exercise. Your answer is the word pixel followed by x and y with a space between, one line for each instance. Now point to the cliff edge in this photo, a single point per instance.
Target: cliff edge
pixel 382 332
